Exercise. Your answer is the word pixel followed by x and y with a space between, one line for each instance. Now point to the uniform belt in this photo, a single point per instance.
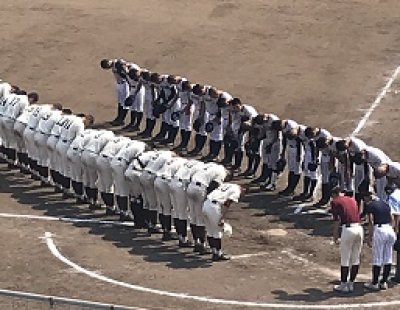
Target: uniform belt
pixel 351 225
pixel 380 225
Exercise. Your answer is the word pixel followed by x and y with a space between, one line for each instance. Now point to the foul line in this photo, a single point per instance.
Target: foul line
pixel 53 249
pixel 377 102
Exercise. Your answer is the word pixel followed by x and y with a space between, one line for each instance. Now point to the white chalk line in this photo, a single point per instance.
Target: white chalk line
pixel 56 253
pixel 377 102
pixel 325 270
pixel 65 219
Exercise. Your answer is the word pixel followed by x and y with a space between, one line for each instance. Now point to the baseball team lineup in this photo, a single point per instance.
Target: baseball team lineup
pixel 148 184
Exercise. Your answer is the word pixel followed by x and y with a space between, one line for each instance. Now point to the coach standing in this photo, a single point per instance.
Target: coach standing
pixel 345 214
pixel 381 238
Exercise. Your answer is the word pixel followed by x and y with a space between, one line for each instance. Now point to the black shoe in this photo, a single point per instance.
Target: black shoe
pixel 196 248
pixel 223 257
pixel 134 128
pixel 194 152
pixel 166 236
pixel 203 250
pixel 155 230
pixel 300 197
pixel 129 127
pixel 94 206
pixel 80 201
pixel 185 244
pixel 117 122
pixel 308 198
pixel 110 211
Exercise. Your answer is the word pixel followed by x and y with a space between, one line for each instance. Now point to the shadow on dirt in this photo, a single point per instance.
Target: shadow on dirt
pixel 152 249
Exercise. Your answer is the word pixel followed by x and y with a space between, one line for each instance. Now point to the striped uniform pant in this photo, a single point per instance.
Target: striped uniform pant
pixel 382 244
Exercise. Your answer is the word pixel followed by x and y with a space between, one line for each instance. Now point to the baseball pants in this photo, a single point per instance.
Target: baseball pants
pixel 350 245
pixel 382 245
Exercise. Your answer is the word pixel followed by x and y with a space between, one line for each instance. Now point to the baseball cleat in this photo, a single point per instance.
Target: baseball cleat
pixel 269 188
pixel 341 288
pixel 185 244
pixel 383 285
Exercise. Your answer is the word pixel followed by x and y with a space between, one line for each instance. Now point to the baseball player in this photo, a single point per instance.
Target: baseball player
pixel 295 152
pixel 196 97
pixel 185 114
pixel 392 173
pixel 213 100
pixel 147 179
pixel 376 159
pixel 5 90
pixel 326 161
pixel 241 115
pixel 119 164
pixel 120 71
pixel 135 100
pixel 381 238
pixel 163 194
pixel 210 176
pixel 28 135
pixel 16 103
pixel 165 105
pixel 104 171
pixel 310 165
pixel 150 83
pixel 72 126
pixel 215 208
pixel 271 151
pixel 346 215
pixel 179 198
pixel 90 153
pixel 74 156
pixel 43 132
pixel 20 126
pixel 134 174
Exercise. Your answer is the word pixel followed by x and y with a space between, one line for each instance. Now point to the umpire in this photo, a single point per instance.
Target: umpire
pixel 381 237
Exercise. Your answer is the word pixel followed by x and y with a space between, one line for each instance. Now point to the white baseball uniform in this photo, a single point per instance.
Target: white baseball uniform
pixel 103 161
pixel 212 207
pixel 376 158
pixel 197 189
pixel 162 184
pixel 120 163
pixel 43 133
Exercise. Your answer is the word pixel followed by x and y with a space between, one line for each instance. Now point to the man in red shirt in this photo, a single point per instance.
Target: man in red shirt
pixel 346 215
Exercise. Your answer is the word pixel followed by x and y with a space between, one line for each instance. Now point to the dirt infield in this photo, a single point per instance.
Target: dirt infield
pixel 320 63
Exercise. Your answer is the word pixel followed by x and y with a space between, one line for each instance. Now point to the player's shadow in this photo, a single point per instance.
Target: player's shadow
pixel 284 209
pixel 311 295
pixel 29 192
pixel 151 248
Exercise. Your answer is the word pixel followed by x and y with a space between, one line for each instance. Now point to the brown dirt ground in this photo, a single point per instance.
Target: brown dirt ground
pixel 320 63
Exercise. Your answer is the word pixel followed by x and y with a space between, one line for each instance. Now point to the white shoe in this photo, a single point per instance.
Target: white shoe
pixel 371 286
pixel 383 285
pixel 270 187
pixel 342 287
pixel 350 286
